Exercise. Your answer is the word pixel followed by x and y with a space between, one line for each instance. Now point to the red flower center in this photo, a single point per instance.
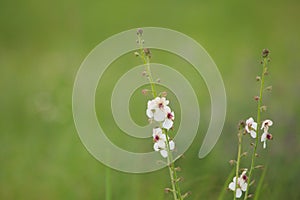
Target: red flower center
pixel 269 136
pixel 160 105
pixel 170 116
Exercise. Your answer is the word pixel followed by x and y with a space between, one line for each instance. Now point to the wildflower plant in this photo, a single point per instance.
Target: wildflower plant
pixel 159 112
pixel 258 131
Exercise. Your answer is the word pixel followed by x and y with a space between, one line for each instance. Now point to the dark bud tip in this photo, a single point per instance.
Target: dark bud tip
pixel 242 124
pixel 139 32
pixel 265 53
pixel 167 190
pixel 147 52
pixel 232 162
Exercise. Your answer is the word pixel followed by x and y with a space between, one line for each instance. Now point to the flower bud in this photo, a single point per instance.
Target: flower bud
pixel 186 194
pixel 256 98
pixel 269 88
pixel 259 167
pixel 263 108
pixel 139 32
pixel 232 162
pixel 266 73
pixel 265 53
pixel 147 52
pixel 144 73
pixel 167 190
pixel 164 94
pixel 257 78
pixel 145 91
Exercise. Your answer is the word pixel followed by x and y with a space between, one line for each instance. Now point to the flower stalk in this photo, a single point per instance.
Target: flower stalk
pixel 155 112
pixel 259 104
pixel 240 135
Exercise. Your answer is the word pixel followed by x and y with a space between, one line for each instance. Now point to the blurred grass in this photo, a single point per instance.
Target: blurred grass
pixel 42 45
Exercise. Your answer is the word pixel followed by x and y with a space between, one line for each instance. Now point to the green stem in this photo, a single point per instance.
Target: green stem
pixel 146 62
pixel 173 175
pixel 171 170
pixel 107 184
pixel 240 134
pixel 265 61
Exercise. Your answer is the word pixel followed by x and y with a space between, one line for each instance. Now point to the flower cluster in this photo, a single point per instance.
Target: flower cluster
pixel 239 185
pixel 251 127
pixel 159 111
pixel 266 135
pixel 160 142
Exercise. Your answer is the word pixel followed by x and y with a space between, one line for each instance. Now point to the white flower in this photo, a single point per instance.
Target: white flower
pixel 160 142
pixel 158 109
pixel 251 127
pixel 159 139
pixel 241 184
pixel 266 124
pixel 168 123
pixel 266 135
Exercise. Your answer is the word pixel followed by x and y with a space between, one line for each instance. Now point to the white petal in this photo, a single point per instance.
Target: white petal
pixel 156 147
pixel 253 134
pixel 266 123
pixel 265 144
pixel 238 193
pixel 234 180
pixel 254 125
pixel 173 115
pixel 164 153
pixel 149 113
pixel 263 137
pixel 163 137
pixel 232 186
pixel 244 172
pixel 168 124
pixel 172 145
pixel 249 121
pixel 157 132
pixel 159 115
pixel 167 109
pixel 244 187
pixel 161 144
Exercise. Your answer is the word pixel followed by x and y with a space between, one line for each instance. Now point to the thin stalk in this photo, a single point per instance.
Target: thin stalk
pixel 107 184
pixel 240 134
pixel 146 62
pixel 173 173
pixel 265 61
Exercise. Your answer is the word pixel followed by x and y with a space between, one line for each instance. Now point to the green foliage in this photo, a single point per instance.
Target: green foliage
pixel 42 44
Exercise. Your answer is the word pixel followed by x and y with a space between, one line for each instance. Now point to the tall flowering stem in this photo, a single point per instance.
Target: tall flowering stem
pixel 167 146
pixel 265 62
pixel 240 135
pixel 173 174
pixel 145 55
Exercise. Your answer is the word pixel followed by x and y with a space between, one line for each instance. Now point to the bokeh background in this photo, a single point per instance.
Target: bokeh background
pixel 43 43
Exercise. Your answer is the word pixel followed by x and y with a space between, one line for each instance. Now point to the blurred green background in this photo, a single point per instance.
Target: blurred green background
pixel 42 44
